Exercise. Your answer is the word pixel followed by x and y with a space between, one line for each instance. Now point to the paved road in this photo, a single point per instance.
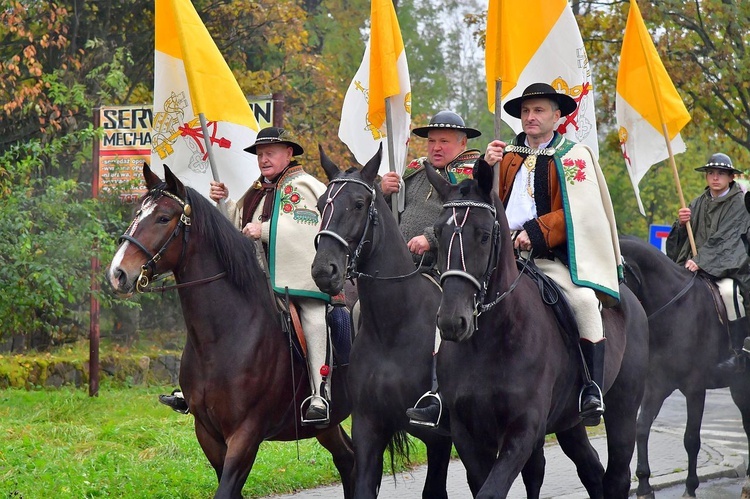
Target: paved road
pixel 723 454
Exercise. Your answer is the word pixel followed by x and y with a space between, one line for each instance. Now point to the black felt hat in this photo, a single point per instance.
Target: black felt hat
pixel 718 161
pixel 275 135
pixel 446 120
pixel 537 91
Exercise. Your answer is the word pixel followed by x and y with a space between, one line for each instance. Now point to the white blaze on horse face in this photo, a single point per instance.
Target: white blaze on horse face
pixel 146 209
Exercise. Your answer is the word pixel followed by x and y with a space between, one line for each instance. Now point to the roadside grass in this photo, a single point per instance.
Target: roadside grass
pixel 123 443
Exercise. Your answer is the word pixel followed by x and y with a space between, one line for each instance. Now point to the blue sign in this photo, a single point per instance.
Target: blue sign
pixel 657 235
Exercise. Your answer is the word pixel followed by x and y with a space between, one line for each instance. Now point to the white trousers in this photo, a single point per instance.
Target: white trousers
pixel 582 300
pixel 312 315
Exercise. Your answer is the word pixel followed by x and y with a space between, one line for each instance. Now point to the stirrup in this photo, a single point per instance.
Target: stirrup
pixel 428 424
pixel 315 422
pixel 591 413
pixel 746 345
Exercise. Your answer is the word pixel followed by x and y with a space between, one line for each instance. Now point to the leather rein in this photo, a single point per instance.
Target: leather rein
pixel 372 220
pixel 148 275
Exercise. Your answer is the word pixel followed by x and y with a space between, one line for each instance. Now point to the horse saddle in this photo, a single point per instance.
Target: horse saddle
pixel 553 296
pixel 340 329
pixel 727 299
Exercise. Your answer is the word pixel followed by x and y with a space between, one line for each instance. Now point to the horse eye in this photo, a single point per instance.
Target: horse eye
pixel 485 237
pixel 359 205
pixel 163 219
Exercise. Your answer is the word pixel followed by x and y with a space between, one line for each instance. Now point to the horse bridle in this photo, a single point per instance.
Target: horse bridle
pixel 183 225
pixel 480 306
pixel 372 220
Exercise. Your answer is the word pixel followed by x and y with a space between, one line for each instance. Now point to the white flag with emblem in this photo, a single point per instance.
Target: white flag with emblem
pixel 191 77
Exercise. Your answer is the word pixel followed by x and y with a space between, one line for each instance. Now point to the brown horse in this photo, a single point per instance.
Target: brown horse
pixel 507 374
pixel 239 377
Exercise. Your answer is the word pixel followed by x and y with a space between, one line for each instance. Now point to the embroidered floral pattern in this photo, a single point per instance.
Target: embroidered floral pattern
pixel 289 203
pixel 575 170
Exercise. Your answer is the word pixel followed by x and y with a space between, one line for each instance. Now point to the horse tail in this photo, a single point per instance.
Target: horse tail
pixel 398 449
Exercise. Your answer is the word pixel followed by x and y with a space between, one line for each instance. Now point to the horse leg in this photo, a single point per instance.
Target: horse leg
pixel 240 456
pixel 214 448
pixel 741 396
pixel 653 398
pixel 533 472
pixel 338 443
pixel 620 419
pixel 370 440
pixel 438 458
pixel 518 445
pixel 574 442
pixel 478 453
pixel 696 401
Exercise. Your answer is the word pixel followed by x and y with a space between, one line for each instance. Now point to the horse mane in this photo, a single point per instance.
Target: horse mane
pixel 235 252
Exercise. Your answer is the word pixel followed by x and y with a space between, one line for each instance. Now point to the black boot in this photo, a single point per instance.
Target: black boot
pixel 176 401
pixel 738 330
pixel 427 410
pixel 590 400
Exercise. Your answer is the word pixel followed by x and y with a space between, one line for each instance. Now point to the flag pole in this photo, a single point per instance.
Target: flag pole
pixel 665 132
pixel 391 152
pixel 211 162
pixel 498 126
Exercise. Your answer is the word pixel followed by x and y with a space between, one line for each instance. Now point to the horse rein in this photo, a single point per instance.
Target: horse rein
pixel 626 265
pixel 372 220
pixel 457 237
pixel 184 224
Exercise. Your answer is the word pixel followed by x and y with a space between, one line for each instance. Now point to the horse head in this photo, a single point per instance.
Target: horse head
pixel 348 215
pixel 468 231
pixel 151 246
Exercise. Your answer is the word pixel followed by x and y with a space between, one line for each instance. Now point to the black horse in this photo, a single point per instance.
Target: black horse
pixel 687 341
pixel 507 375
pixel 391 358
pixel 237 374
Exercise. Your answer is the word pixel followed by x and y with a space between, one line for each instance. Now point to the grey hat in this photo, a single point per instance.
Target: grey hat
pixel 275 135
pixel 446 120
pixel 537 91
pixel 718 161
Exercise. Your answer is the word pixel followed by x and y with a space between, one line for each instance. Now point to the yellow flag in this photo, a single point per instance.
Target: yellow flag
pixel 214 91
pixel 386 47
pixel 516 30
pixel 191 78
pixel 646 100
pixel 643 81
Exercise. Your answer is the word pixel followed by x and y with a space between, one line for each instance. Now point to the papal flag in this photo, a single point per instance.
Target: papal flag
pixel 647 103
pixel 383 73
pixel 531 41
pixel 191 77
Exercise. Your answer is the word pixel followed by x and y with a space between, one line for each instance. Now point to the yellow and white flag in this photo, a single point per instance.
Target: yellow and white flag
pixel 383 73
pixel 646 102
pixel 191 77
pixel 547 50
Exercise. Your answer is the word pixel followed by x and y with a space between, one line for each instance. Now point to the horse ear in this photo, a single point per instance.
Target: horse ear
pixel 328 166
pixel 442 186
pixel 370 170
pixel 173 183
pixel 483 175
pixel 150 177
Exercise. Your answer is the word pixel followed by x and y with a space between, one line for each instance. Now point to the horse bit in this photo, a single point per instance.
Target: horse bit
pixel 481 287
pixel 183 225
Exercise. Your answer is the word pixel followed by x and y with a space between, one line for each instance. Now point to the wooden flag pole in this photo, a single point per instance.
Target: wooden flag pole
pixel 498 126
pixel 391 147
pixel 211 162
pixel 689 228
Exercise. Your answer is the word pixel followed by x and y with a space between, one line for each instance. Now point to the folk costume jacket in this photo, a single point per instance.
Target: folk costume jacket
pixel 289 232
pixel 422 205
pixel 720 228
pixel 575 219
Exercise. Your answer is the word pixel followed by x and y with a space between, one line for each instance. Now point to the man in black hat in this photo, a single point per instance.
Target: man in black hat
pixel 545 180
pixel 720 224
pixel 447 136
pixel 279 211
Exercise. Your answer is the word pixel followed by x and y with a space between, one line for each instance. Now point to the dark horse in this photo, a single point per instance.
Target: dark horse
pixel 687 341
pixel 391 358
pixel 237 373
pixel 508 376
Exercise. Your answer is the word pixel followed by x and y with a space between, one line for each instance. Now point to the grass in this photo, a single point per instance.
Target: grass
pixel 123 443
